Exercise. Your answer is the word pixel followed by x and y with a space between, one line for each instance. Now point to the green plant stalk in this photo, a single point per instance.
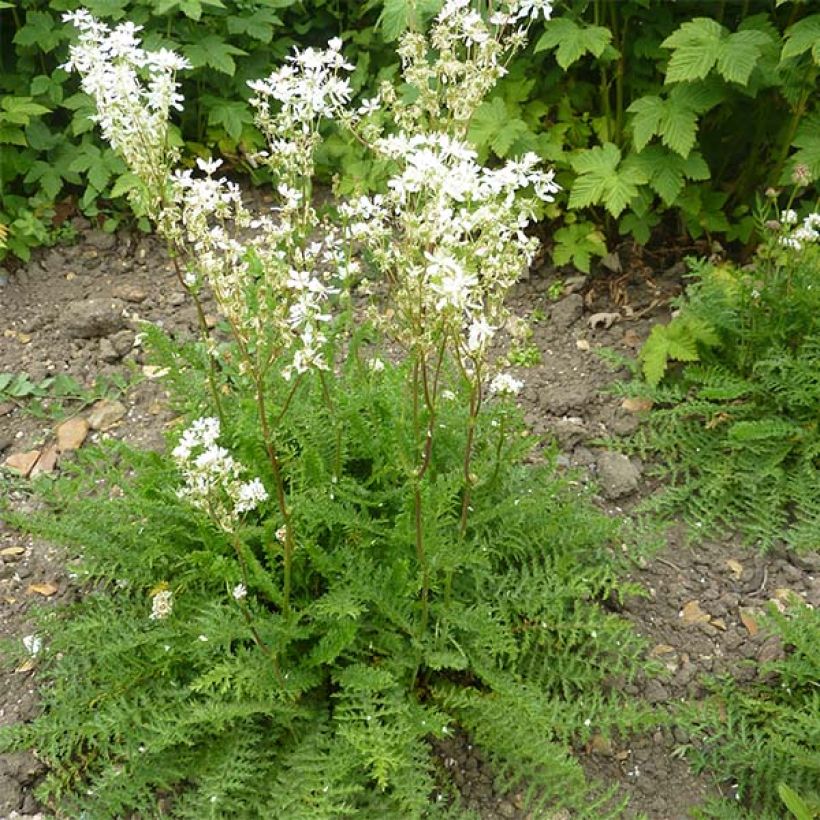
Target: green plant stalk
pixel 281 497
pixel 619 38
pixel 794 122
pixel 206 335
pixel 266 650
pixel 475 404
pixel 337 459
pixel 502 431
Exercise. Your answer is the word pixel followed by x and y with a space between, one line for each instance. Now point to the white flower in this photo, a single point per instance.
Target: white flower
pixel 505 384
pixel 33 644
pixel 209 166
pixel 789 217
pixel 249 495
pixel 162 604
pixel 480 333
pixel 531 9
pixel 239 592
pixel 376 365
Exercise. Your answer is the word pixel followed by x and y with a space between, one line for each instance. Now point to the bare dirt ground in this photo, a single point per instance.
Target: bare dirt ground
pixel 76 310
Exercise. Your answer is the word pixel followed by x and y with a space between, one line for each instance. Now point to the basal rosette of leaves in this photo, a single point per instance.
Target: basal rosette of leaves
pixel 735 378
pixel 343 556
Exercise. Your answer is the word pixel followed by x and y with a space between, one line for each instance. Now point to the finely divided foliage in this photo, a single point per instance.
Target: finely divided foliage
pixel 343 558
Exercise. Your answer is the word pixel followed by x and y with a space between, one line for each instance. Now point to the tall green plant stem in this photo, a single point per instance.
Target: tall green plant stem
pixel 475 404
pixel 281 496
pixel 794 122
pixel 266 650
pixel 619 38
pixel 206 335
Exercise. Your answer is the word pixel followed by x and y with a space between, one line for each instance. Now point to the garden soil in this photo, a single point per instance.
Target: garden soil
pixel 78 310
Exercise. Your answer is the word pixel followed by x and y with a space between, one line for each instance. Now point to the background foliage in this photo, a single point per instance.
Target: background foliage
pixel 643 106
pixel 736 381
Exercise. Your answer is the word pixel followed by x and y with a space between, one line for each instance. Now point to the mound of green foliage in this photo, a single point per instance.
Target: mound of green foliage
pixel 196 706
pixel 735 421
pixel 763 740
pixel 643 106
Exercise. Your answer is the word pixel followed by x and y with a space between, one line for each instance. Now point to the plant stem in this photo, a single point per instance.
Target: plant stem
pixel 794 123
pixel 206 335
pixel 266 650
pixel 475 403
pixel 498 450
pixel 281 498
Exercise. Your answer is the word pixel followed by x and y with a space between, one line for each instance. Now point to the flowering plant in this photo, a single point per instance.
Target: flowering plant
pixel 344 556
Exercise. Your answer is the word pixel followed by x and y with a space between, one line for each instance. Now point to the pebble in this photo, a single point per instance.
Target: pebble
pixel 617 475
pixel 567 311
pixel 91 318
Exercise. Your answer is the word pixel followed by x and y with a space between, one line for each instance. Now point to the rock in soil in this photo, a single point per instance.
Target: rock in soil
pixel 92 318
pixel 567 311
pixel 617 475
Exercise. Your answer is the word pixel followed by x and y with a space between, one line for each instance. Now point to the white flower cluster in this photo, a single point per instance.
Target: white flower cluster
pixel 505 384
pixel 807 233
pixel 132 112
pixel 291 101
pixel 451 233
pixel 212 475
pixel 162 605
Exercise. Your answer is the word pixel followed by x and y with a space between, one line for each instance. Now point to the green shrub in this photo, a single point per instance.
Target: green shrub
pixel 736 423
pixel 763 740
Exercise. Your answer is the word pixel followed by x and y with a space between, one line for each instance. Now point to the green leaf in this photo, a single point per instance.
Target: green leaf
pixel 803 36
pixel 124 183
pixel 793 801
pixel 695 49
pixel 601 180
pixel 489 118
pixel 40 31
pixel 578 242
pixel 807 141
pixel 394 19
pixel 654 356
pixel 19 110
pixel 648 112
pixel 231 115
pixel 258 26
pixel 572 40
pixel 738 55
pixel 213 51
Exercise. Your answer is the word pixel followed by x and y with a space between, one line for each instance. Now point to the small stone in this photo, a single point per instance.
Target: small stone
pixel 506 809
pixel 46 463
pixel 693 614
pixel 176 299
pixel 22 463
pixel 567 311
pixel 131 293
pixel 600 745
pixel 71 434
pixel 92 318
pixel 122 341
pixel 749 620
pixel 6 407
pixel 108 353
pixel 605 320
pixel 617 475
pixel 100 240
pixel 772 650
pixel 656 692
pixel 637 404
pixel 570 431
pixel 105 413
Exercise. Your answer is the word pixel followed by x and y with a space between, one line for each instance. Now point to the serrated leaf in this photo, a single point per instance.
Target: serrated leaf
pixel 695 47
pixel 513 130
pixel 572 40
pixel 124 183
pixel 487 121
pixel 645 124
pixel 738 55
pixel 231 115
pixel 678 127
pixel 803 36
pixel 600 180
pixel 394 19
pixel 654 356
